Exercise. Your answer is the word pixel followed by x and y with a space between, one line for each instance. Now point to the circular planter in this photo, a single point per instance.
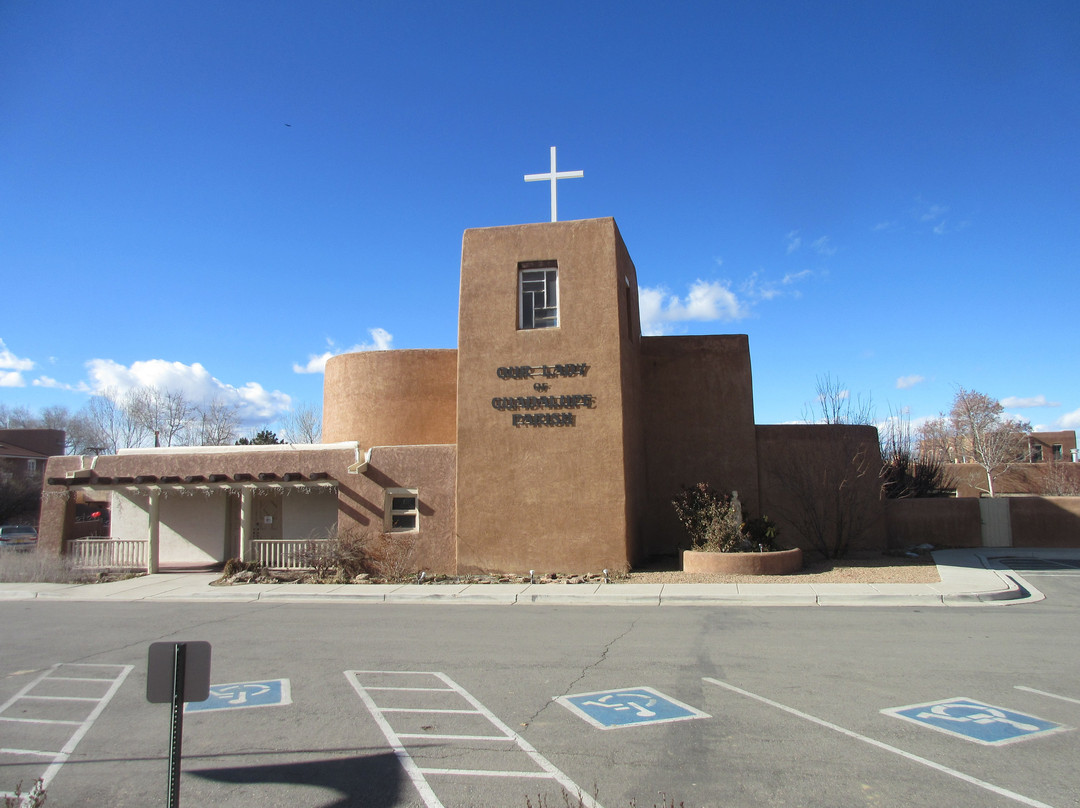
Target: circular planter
pixel 775 562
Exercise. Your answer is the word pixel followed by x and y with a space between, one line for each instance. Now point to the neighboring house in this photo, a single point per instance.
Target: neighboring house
pixel 1053 447
pixel 24 452
pixel 552 438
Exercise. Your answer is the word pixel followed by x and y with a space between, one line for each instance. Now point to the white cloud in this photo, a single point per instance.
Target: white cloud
pixel 256 404
pixel 795 277
pixel 12 367
pixel 1031 401
pixel 929 212
pixel 904 382
pixel 823 246
pixel 1070 420
pixel 793 241
pixel 381 340
pixel 884 226
pixel 49 381
pixel 707 301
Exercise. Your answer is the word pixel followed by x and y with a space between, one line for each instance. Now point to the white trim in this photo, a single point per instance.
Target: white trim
pixel 389 513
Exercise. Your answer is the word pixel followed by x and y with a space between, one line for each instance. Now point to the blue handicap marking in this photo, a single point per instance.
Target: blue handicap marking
pixel 975 721
pixel 240 695
pixel 632 706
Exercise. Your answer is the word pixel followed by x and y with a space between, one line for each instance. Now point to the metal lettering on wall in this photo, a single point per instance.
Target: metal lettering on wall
pixel 530 404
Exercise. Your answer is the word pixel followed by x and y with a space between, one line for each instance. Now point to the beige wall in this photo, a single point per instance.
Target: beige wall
pixel 698 418
pixel 391 398
pixel 550 498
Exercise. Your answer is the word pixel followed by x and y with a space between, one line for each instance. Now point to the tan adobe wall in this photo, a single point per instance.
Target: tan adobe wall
pixel 1045 521
pixel 537 495
pixel 43 441
pixel 427 469
pixel 800 467
pixel 698 415
pixel 969 479
pixel 391 398
pixel 944 522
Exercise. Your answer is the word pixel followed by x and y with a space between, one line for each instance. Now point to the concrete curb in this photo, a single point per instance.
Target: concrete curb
pixel 968 578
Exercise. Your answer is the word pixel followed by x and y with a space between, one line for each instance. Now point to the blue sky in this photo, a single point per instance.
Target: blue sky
pixel 214 196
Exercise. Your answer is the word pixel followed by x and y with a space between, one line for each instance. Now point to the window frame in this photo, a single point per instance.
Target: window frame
pixel 527 272
pixel 389 511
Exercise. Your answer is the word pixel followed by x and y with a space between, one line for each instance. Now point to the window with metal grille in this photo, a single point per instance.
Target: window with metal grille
pixel 538 294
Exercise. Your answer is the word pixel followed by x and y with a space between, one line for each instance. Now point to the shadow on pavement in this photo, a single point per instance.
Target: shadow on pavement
pixel 373 781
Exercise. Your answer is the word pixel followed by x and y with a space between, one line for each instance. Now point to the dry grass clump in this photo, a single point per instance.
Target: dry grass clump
pixel 38 566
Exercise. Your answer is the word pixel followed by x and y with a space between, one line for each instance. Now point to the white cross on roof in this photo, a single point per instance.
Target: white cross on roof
pixel 554 175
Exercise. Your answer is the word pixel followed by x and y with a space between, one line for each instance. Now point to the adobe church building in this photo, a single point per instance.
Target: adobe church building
pixel 553 438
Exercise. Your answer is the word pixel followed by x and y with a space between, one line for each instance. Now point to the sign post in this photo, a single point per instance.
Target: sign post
pixel 177 672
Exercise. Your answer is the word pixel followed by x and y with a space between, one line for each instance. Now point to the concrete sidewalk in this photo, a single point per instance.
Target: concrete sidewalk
pixel 968 578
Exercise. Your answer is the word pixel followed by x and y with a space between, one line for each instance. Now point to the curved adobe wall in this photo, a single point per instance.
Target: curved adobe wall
pixel 391 398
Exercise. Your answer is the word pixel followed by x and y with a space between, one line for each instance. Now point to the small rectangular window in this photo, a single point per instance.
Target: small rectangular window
pixel 1036 453
pixel 538 295
pixel 1056 449
pixel 401 512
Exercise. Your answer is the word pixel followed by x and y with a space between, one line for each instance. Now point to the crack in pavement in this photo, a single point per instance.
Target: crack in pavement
pixel 584 671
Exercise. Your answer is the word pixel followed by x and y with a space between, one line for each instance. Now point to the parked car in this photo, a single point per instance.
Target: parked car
pixel 18 537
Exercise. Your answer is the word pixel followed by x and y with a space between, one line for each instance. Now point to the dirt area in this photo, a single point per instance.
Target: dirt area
pixel 855 569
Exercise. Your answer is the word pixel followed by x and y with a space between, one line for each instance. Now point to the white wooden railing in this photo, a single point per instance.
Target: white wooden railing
pixel 108 553
pixel 279 554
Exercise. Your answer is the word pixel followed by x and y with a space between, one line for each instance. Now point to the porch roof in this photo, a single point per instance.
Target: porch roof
pixel 87 480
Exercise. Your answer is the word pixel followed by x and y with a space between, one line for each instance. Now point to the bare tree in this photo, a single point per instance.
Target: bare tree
pixel 165 414
pixel 986 437
pixel 1062 479
pixel 215 424
pixel 303 425
pixel 118 419
pixel 18 418
pixel 833 404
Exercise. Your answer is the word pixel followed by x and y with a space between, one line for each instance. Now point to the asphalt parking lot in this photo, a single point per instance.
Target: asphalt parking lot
pixel 397 705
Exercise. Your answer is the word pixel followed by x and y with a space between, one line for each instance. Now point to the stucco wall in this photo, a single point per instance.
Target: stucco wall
pixel 391 398
pixel 192 529
pixel 551 498
pixel 429 470
pixel 308 516
pixel 1023 478
pixel 944 522
pixel 1045 521
pixel 801 467
pixel 698 416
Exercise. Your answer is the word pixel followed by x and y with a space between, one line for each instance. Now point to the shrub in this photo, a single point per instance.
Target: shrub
pixel 714 522
pixel 350 553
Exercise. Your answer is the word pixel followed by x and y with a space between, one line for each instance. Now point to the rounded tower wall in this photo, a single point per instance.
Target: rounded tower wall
pixel 391 398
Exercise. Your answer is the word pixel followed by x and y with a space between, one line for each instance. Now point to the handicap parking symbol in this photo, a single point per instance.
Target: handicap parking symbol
pixel 975 721
pixel 633 706
pixel 241 695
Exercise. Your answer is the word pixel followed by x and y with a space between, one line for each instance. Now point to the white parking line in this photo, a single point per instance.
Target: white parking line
pixel 416 772
pixel 1044 693
pixel 967 778
pixel 59 757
